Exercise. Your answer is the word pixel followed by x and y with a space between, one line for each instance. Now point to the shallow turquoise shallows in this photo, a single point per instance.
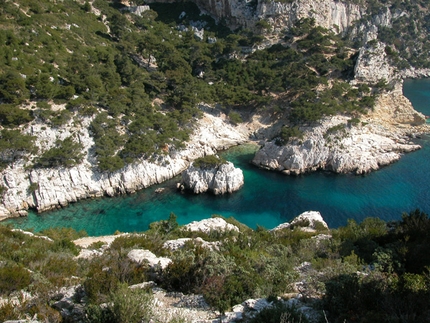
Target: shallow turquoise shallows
pixel 268 198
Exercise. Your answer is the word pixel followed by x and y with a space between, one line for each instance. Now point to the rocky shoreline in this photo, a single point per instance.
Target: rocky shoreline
pixel 380 138
pixel 344 144
pixel 56 188
pixel 341 143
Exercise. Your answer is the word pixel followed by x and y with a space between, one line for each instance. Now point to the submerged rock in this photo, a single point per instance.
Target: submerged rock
pixel 219 179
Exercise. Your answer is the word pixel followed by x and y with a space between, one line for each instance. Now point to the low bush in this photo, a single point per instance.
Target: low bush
pixel 279 312
pixel 209 161
pixel 13 278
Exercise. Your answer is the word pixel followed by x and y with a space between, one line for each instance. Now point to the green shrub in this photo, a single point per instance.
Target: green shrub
pixel 13 278
pixel 209 161
pixel 9 311
pixel 288 133
pixel 64 233
pixel 279 312
pixel 131 305
pixel 235 117
pixel 65 153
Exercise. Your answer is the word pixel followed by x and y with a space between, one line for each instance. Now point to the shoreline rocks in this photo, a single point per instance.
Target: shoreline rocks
pixel 57 187
pixel 211 224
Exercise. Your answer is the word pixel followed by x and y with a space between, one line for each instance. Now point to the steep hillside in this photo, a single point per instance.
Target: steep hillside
pixel 220 270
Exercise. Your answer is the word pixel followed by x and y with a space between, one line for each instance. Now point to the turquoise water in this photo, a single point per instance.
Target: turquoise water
pixel 267 198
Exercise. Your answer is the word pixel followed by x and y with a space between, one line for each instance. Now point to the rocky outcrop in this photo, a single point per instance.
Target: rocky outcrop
pixel 219 179
pixel 357 149
pixel 212 224
pixel 46 189
pixel 337 144
pixel 372 65
pixel 177 244
pixel 414 73
pixel 142 256
pixel 68 302
pixel 309 221
pixel 337 16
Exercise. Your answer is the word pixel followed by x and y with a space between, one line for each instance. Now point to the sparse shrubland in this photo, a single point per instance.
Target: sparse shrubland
pixel 368 271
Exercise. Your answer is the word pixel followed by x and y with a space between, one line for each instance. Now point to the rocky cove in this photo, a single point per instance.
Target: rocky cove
pixel 380 139
pixel 341 143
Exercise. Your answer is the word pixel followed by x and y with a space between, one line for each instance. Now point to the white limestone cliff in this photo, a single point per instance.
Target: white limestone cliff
pixel 379 139
pixel 220 179
pixel 337 16
pixel 46 189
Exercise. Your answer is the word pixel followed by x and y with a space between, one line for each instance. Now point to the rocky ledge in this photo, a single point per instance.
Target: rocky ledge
pixel 218 179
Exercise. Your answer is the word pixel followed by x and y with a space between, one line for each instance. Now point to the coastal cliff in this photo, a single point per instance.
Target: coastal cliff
pixel 57 187
pixel 337 16
pixel 345 144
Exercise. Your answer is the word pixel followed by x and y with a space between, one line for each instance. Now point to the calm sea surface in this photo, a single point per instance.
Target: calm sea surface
pixel 267 198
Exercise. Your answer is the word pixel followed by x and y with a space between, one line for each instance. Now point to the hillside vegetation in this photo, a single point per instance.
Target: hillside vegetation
pixel 365 272
pixel 141 77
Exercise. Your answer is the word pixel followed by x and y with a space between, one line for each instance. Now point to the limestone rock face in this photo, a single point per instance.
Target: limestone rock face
pixel 220 179
pixel 372 64
pixel 334 15
pixel 379 139
pixel 208 225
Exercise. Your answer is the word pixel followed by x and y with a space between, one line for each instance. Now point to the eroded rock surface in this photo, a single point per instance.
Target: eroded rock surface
pixel 380 138
pixel 219 179
pixel 141 256
pixel 308 221
pixel 212 224
pixel 46 189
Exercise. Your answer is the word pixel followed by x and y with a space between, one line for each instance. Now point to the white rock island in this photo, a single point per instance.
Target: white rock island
pixel 215 176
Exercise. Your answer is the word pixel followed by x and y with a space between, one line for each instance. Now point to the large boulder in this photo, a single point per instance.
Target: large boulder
pixel 218 179
pixel 212 224
pixel 309 221
pixel 141 256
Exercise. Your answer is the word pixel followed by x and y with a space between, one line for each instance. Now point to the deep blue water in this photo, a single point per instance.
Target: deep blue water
pixel 267 198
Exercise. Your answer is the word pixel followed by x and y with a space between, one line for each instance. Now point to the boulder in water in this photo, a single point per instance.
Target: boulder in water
pixel 216 178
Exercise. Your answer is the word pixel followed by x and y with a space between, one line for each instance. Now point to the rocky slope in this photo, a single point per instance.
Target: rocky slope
pixel 343 144
pixel 379 139
pixel 193 308
pixel 220 179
